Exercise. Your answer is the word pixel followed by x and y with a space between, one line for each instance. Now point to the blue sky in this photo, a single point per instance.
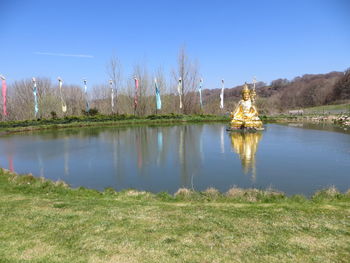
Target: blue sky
pixel 233 40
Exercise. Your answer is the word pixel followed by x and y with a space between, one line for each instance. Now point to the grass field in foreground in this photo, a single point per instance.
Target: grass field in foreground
pixel 43 221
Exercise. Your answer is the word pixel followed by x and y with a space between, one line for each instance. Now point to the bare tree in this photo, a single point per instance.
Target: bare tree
pixel 114 70
pixel 188 72
pixel 101 101
pixel 144 105
pixel 74 98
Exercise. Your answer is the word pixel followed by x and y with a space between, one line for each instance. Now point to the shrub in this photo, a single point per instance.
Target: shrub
pixel 91 112
pixel 212 192
pixel 327 194
pixel 53 115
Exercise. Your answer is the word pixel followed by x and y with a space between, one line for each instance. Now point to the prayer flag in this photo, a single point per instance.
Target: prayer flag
pixel 222 95
pixel 136 92
pixel 112 95
pixel 35 93
pixel 4 90
pixel 200 92
pixel 179 90
pixel 64 106
pixel 158 100
pixel 86 97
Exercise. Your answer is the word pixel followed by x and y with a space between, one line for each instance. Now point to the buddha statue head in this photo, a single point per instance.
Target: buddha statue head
pixel 245 92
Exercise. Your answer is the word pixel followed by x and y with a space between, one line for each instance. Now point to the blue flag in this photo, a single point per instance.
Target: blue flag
pixel 158 100
pixel 86 97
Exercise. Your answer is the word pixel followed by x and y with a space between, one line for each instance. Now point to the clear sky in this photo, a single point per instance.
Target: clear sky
pixel 233 40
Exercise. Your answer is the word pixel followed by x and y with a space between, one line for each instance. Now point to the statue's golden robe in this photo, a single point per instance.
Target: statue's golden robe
pixel 245 114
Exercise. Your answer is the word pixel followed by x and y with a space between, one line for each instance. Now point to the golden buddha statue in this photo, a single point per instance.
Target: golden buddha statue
pixel 245 144
pixel 245 114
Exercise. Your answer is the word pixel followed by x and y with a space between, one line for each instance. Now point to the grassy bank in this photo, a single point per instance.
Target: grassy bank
pixel 337 108
pixel 102 120
pixel 115 120
pixel 42 221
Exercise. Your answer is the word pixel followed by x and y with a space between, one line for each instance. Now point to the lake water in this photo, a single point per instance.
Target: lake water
pixel 295 158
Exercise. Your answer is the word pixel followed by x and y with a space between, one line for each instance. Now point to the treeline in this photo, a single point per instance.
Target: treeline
pixel 279 96
pixel 20 97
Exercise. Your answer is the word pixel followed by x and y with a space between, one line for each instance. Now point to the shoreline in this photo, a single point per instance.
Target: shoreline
pixel 103 121
pixel 11 127
pixel 233 194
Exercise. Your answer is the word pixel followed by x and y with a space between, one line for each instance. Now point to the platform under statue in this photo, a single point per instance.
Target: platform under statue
pixel 245 116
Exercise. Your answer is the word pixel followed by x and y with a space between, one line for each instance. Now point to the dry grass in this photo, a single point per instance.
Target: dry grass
pixel 329 193
pixel 183 192
pixel 212 192
pixel 39 250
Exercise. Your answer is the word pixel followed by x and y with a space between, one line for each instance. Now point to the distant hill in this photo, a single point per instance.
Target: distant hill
pixel 306 91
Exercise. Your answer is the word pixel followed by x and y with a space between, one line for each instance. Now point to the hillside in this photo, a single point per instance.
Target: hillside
pixel 309 90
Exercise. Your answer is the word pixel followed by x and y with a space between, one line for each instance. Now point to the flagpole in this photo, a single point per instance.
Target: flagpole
pixel 179 89
pixel 200 93
pixel 155 85
pixel 64 106
pixel 158 98
pixel 4 91
pixel 35 93
pixel 86 96
pixel 222 95
pixel 112 95
pixel 136 93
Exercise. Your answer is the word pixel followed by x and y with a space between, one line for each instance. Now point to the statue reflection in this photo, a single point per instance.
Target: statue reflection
pixel 245 145
pixel 10 150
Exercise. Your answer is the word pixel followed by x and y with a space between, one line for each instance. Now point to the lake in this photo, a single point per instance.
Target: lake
pixel 295 158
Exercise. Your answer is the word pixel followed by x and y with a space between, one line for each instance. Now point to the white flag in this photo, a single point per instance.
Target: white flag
pixel 64 106
pixel 179 90
pixel 200 92
pixel 222 95
pixel 112 95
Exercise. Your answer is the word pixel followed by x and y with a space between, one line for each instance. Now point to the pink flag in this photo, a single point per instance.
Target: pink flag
pixel 136 92
pixel 4 95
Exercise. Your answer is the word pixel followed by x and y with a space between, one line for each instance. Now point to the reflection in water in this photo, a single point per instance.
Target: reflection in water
pixel 66 156
pixel 9 153
pixel 245 145
pixel 160 146
pixel 222 139
pixel 41 165
pixel 139 149
pixel 10 158
pixel 189 153
pixel 166 158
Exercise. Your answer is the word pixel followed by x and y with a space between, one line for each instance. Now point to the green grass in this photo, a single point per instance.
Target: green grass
pixel 43 221
pixel 329 109
pixel 103 120
pixel 345 107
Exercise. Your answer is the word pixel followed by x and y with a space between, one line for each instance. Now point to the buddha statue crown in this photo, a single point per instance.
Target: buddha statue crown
pixel 245 89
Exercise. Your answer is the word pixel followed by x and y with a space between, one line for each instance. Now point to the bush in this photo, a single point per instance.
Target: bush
pixel 53 115
pixel 91 112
